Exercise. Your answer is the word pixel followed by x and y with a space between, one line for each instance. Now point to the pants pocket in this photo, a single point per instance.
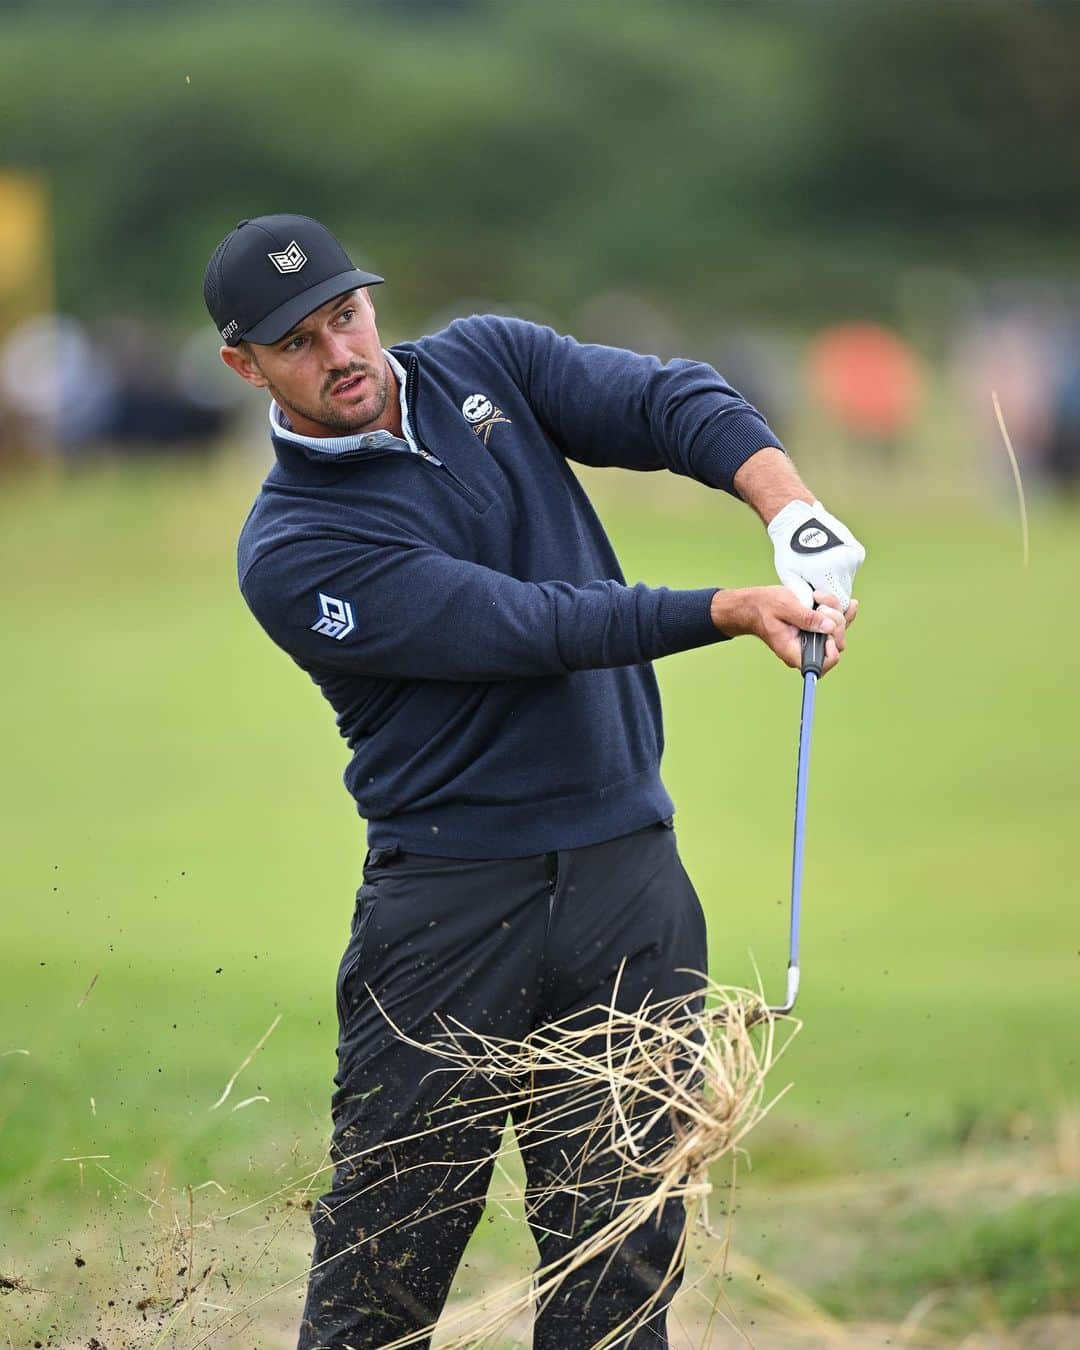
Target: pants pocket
pixel 361 920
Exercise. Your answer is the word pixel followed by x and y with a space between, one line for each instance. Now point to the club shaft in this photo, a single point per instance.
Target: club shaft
pixel 801 781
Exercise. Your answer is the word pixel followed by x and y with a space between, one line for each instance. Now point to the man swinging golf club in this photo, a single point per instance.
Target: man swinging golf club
pixel 422 548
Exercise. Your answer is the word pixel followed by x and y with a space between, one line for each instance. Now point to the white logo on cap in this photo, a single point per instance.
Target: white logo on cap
pixel 291 260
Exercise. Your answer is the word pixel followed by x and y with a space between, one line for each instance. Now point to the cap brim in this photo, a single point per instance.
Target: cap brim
pixel 278 322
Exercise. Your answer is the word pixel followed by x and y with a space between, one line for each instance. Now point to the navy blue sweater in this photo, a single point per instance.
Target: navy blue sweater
pixel 465 614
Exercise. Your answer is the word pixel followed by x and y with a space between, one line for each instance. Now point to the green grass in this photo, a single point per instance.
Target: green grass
pixel 1023 1261
pixel 175 830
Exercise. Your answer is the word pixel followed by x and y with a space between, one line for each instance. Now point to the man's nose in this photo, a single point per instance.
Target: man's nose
pixel 336 352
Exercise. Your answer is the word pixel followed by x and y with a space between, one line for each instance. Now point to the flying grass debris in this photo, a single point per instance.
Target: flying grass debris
pixel 15 1284
pixel 701 1072
pixel 248 1101
pixel 1015 465
pixel 258 1046
pixel 699 1075
pixel 89 987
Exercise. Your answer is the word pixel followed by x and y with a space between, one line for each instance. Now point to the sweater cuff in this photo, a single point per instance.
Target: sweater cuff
pixel 684 620
pixel 726 443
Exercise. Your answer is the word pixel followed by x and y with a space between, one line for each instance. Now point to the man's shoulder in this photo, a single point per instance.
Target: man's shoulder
pixel 282 513
pixel 257 531
pixel 502 338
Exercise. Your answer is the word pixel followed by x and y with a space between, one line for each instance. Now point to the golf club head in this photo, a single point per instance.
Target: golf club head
pixel 792 993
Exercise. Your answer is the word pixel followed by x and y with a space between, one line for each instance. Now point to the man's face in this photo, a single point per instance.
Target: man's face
pixel 328 373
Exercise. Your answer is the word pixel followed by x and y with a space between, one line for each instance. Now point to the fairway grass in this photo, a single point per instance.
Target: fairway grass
pixel 180 860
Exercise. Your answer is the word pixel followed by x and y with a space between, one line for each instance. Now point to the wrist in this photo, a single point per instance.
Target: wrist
pixel 732 612
pixel 769 482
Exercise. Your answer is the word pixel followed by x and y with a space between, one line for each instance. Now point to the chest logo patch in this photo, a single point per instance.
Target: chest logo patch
pixel 335 618
pixel 476 407
pixel 481 414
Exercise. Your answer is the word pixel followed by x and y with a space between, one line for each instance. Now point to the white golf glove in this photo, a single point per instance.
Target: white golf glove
pixel 813 551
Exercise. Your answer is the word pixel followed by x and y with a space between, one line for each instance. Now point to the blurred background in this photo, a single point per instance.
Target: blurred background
pixel 865 215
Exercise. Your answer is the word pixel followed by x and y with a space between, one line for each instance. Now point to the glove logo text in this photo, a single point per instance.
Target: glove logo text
pixel 812 537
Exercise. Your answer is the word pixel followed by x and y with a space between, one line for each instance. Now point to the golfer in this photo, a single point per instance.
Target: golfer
pixel 423 549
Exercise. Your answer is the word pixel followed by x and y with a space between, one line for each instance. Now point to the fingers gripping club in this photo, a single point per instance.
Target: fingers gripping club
pixel 813 654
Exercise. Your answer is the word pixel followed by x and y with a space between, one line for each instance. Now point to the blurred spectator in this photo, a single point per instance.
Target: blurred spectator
pixel 759 368
pixel 151 410
pixel 869 380
pixel 59 391
pixel 624 319
pixel 1063 447
pixel 1012 354
pixel 69 390
pixel 750 363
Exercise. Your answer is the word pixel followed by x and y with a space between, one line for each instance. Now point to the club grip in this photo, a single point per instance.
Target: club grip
pixel 813 653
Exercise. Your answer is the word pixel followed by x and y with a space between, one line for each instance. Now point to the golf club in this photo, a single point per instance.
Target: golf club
pixel 813 658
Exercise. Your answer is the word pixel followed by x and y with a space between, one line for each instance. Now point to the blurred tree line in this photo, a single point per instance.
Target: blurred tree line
pixel 729 156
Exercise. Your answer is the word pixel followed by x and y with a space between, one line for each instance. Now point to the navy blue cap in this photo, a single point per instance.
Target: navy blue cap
pixel 271 272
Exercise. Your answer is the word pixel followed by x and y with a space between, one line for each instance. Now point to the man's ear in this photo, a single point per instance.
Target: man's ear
pixel 236 358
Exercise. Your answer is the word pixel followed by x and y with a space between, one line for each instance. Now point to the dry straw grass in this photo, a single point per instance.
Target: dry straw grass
pixel 668 1092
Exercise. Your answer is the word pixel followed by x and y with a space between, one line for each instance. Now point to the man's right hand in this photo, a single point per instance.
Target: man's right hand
pixel 774 615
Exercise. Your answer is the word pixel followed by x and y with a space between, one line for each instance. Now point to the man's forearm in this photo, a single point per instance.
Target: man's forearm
pixel 768 481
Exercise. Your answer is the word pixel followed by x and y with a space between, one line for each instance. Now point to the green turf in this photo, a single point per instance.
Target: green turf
pixel 1021 1261
pixel 175 830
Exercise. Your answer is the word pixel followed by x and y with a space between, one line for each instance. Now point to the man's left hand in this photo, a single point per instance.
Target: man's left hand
pixel 814 551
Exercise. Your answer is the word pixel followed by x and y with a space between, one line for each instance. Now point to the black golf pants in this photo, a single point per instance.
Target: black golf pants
pixel 500 947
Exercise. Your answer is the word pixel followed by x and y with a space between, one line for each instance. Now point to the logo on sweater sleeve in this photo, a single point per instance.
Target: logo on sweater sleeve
pixel 335 619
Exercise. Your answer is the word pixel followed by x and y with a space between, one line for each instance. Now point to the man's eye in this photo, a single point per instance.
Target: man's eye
pixel 346 315
pixel 294 345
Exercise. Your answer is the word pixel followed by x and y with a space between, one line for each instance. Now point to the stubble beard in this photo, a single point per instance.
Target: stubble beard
pixel 343 421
